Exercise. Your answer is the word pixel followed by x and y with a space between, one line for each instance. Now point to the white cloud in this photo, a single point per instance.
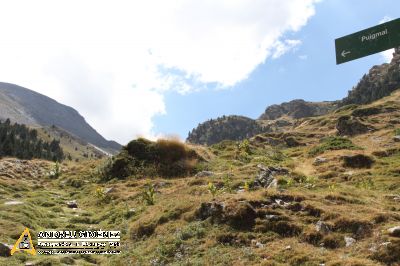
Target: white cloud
pixel 385 19
pixel 303 57
pixel 388 54
pixel 282 47
pixel 113 60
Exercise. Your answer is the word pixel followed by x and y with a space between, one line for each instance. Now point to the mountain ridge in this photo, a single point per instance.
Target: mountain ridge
pixel 380 81
pixel 25 106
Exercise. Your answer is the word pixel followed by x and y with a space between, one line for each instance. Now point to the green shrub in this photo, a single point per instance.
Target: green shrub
pixel 101 196
pixel 149 195
pixel 141 157
pixel 333 143
pixel 397 132
pixel 212 189
pixel 56 172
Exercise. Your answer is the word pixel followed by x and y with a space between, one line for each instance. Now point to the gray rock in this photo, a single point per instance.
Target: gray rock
pixel 72 204
pixel 349 241
pixel 210 209
pixel 256 244
pixel 351 126
pixel 204 174
pixel 322 227
pixel 396 138
pixel 13 202
pixel 273 184
pixel 394 231
pixel 320 160
pixel 108 190
pixel 5 250
pixel 266 176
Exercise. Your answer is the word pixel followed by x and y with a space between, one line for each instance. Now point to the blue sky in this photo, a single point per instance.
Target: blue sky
pixel 131 69
pixel 308 72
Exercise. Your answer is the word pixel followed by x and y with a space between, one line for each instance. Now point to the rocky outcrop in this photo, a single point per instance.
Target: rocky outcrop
pixel 297 109
pixel 378 83
pixel 351 126
pixel 224 128
pixel 266 177
pixel 238 215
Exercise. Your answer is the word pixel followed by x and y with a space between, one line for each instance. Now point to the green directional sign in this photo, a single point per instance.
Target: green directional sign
pixel 369 41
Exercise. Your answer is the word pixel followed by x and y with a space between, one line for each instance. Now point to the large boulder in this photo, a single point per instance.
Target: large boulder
pixel 351 126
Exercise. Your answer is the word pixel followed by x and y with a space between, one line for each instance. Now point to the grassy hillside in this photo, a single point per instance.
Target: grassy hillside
pixel 324 192
pixel 74 148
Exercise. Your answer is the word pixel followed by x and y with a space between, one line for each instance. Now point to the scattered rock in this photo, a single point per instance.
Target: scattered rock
pixel 13 202
pixel 239 215
pixel 272 217
pixel 322 227
pixel 350 126
pixel 266 177
pixel 204 174
pixel 281 203
pixel 210 209
pixel 320 160
pixel 256 244
pixel 5 250
pixel 108 190
pixel 396 138
pixel 273 184
pixel 394 231
pixel 358 161
pixel 292 142
pixel 387 254
pixel 349 241
pixel 72 204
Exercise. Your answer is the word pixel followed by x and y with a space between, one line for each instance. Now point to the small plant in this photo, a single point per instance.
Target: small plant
pixel 397 132
pixel 332 188
pixel 366 183
pixel 246 186
pixel 56 172
pixel 285 182
pixel 149 194
pixel 212 189
pixel 243 151
pixel 228 183
pixel 310 181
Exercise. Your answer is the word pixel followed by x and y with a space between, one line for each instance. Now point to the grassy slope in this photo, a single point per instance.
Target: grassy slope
pixel 70 144
pixel 353 202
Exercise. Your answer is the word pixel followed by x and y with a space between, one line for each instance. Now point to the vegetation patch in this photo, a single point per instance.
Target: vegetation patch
pixel 167 158
pixel 333 143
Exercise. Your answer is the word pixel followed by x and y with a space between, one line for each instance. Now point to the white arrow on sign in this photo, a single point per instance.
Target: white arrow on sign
pixel 344 53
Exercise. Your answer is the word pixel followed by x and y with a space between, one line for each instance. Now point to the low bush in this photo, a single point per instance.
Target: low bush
pixel 333 143
pixel 142 157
